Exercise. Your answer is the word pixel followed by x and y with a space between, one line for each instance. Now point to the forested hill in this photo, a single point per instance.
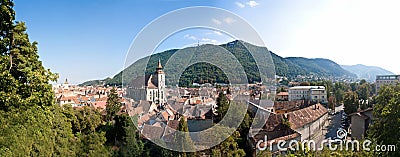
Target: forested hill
pixel 367 72
pixel 320 66
pixel 200 73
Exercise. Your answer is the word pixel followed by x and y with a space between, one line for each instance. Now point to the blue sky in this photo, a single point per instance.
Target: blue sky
pixel 85 40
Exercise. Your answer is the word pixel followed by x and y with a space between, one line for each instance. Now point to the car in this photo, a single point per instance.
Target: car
pixel 345 125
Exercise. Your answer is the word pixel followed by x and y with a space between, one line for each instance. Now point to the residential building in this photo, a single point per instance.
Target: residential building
pixel 386 80
pixel 308 121
pixel 266 105
pixel 303 124
pixel 311 93
pixel 273 131
pixel 282 96
pixel 360 122
pixel 282 107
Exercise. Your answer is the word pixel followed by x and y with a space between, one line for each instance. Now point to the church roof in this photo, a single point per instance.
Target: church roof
pixel 150 83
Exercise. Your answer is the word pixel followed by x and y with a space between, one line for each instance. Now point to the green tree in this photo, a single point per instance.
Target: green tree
pixel 30 123
pixel 331 102
pixel 363 81
pixel 151 149
pixel 86 129
pixel 93 144
pixel 222 106
pixel 182 139
pixel 364 91
pixel 386 113
pixel 350 102
pixel 305 84
pixel 229 147
pixel 113 106
pixel 339 90
pixel 353 86
pixel 127 133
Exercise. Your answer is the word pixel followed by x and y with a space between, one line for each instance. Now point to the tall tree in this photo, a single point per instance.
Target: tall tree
pixel 363 91
pixel 350 102
pixel 30 124
pixel 7 16
pixel 182 139
pixel 222 106
pixel 331 102
pixel 113 106
pixel 386 116
pixel 127 134
pixel 92 141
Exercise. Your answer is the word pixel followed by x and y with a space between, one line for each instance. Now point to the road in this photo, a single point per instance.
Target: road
pixel 330 128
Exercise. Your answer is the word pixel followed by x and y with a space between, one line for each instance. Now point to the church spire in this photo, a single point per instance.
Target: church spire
pixel 159 67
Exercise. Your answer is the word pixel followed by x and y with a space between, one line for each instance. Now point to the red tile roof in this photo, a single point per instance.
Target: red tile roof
pixel 283 94
pixel 304 116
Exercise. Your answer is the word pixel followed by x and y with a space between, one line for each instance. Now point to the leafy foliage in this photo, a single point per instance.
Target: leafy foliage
pixel 386 113
pixel 222 107
pixel 182 139
pixel 113 105
pixel 350 102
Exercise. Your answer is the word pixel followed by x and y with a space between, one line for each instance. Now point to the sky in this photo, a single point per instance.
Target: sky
pixel 86 40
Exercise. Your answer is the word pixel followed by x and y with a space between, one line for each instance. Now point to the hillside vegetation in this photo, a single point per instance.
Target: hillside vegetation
pixel 209 73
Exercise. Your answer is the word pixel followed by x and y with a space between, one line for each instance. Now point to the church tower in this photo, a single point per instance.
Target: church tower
pixel 161 83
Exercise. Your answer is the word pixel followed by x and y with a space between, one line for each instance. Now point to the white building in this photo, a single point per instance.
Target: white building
pixel 151 88
pixel 386 80
pixel 313 93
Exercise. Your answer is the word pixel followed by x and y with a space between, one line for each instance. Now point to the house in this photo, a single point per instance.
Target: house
pixel 308 120
pixel 359 123
pixel 282 96
pixel 270 134
pixel 282 107
pixel 267 105
pixel 312 93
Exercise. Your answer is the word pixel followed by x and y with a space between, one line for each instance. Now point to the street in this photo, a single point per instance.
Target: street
pixel 329 129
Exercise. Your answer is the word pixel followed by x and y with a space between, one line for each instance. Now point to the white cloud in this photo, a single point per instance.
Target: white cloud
pixel 217 32
pixel 252 3
pixel 216 21
pixel 229 20
pixel 240 5
pixel 191 37
pixel 209 40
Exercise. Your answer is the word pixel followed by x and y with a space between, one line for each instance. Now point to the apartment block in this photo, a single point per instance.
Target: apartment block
pixel 312 93
pixel 386 80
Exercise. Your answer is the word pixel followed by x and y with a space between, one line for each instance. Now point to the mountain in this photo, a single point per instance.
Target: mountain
pixel 200 72
pixel 366 72
pixel 320 66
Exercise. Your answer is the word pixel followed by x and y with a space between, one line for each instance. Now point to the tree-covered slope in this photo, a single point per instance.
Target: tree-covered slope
pixel 366 72
pixel 320 66
pixel 208 73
